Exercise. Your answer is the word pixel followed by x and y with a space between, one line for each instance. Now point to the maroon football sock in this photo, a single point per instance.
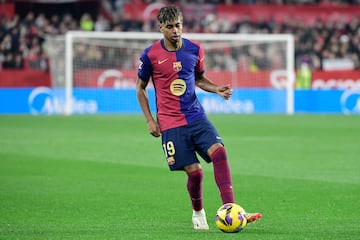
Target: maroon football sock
pixel 222 175
pixel 194 186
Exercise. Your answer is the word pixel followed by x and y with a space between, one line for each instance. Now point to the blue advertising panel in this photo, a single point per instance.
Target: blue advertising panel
pixel 14 101
pixel 245 101
pixel 47 101
pixel 327 101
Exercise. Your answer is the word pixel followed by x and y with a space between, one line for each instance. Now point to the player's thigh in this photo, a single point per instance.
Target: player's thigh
pixel 178 148
pixel 205 135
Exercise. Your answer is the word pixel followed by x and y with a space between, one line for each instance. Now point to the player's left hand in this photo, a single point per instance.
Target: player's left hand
pixel 225 91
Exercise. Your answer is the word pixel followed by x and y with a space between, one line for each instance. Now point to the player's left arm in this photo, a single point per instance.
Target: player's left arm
pixel 206 84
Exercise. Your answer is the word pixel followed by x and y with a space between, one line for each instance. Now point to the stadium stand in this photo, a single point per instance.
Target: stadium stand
pixel 323 39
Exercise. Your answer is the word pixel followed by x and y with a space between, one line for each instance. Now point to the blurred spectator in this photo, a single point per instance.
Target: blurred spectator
pixel 9 61
pixel 101 24
pixel 86 22
pixel 303 76
pixel 18 61
pixel 29 19
pixel 13 61
pixel 37 59
pixel 7 44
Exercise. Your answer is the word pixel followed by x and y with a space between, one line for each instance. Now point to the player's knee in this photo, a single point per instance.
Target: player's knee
pixel 191 168
pixel 213 148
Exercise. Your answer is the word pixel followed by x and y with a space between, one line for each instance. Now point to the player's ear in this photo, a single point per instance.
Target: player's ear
pixel 160 27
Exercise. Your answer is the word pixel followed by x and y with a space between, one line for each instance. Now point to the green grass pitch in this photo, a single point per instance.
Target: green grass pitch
pixel 105 177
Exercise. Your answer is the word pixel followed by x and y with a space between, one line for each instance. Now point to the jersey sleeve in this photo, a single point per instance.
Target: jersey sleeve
pixel 145 68
pixel 199 68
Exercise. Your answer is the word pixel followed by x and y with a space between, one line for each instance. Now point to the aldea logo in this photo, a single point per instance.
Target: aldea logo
pixel 47 101
pixel 350 102
pixel 213 105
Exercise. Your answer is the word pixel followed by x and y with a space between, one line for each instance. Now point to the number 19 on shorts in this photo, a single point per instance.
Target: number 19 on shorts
pixel 169 150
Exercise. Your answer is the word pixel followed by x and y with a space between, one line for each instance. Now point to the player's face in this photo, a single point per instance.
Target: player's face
pixel 172 30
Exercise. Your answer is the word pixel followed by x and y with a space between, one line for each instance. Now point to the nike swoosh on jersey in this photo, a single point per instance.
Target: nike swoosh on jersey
pixel 162 61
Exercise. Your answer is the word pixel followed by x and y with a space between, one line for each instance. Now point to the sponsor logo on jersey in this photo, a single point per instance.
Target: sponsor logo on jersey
pixel 178 87
pixel 162 61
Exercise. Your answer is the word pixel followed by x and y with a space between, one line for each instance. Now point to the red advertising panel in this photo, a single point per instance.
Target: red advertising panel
pixel 336 79
pixel 127 78
pixel 24 78
pixel 105 78
pixel 115 78
pixel 262 79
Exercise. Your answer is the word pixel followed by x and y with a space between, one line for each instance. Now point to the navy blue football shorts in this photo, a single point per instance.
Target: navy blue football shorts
pixel 181 144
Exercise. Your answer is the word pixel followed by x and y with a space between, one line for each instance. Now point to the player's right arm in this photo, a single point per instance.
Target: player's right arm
pixel 143 100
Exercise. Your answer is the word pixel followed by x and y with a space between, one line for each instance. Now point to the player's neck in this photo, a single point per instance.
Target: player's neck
pixel 173 46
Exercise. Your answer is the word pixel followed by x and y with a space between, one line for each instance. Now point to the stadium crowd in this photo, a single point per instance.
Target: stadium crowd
pixel 22 40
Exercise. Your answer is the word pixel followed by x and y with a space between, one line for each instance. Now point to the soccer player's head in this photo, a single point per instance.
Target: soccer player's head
pixel 170 22
pixel 169 14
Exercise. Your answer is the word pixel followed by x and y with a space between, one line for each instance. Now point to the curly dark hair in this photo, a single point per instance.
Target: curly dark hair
pixel 169 13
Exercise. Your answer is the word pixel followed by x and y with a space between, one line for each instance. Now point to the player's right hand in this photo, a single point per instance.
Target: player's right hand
pixel 154 128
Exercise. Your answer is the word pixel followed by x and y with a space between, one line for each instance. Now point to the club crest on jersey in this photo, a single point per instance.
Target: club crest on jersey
pixel 177 66
pixel 178 87
pixel 171 160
